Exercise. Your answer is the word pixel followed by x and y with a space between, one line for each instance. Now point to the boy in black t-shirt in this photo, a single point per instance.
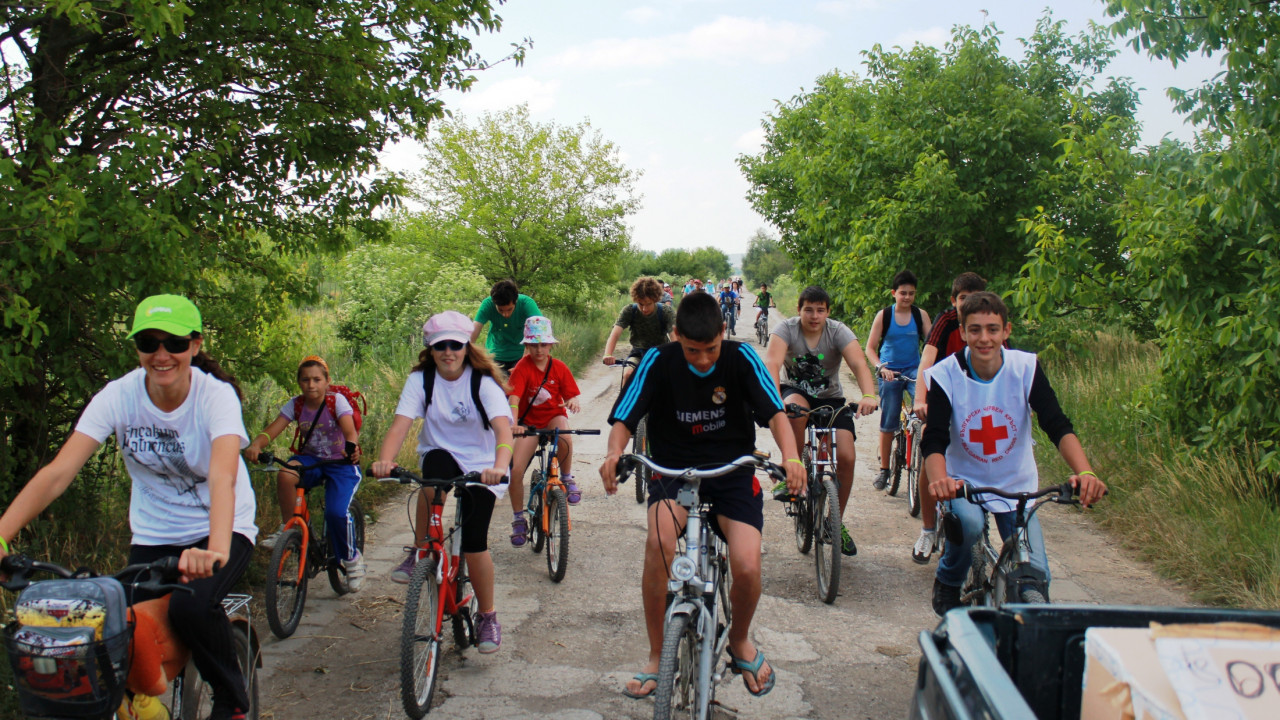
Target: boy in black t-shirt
pixel 705 396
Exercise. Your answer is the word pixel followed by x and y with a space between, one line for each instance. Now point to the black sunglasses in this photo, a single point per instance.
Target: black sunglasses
pixel 447 345
pixel 151 343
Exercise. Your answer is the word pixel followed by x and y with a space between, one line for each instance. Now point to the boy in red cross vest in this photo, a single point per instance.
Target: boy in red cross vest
pixel 979 431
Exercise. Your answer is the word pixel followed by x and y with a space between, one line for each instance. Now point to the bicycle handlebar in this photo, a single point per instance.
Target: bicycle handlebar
pixel 266 457
pixel 627 465
pixel 1064 492
pixel 161 575
pixel 558 431
pixel 404 476
pixel 819 415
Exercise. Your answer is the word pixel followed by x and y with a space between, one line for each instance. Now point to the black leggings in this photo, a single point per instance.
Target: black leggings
pixel 477 503
pixel 199 621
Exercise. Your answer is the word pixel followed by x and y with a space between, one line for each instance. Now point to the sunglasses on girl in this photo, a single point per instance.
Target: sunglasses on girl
pixel 150 343
pixel 443 345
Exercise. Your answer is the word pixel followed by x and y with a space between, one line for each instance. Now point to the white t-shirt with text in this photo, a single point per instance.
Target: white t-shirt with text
pixel 167 455
pixel 452 423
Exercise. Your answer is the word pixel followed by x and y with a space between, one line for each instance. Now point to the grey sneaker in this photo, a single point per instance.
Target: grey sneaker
pixel 488 632
pixel 355 572
pixel 269 542
pixel 882 480
pixel 925 545
pixel 405 569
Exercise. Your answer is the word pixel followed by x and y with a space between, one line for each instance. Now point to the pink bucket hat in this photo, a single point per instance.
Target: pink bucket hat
pixel 448 325
pixel 537 329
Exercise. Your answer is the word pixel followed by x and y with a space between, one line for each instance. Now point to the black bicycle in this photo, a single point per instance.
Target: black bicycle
pixel 816 514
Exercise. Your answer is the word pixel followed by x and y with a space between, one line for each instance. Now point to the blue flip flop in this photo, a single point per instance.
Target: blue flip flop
pixel 643 678
pixel 739 666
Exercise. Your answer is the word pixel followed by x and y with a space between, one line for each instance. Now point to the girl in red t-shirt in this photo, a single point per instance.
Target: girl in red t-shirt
pixel 543 393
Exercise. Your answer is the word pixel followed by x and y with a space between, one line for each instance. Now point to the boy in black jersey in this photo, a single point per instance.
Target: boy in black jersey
pixel 704 397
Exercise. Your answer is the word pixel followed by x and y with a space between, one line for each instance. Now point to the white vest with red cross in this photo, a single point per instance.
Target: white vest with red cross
pixel 991 426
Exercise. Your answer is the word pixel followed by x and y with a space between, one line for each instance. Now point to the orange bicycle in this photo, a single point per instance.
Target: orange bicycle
pixel 548 502
pixel 301 554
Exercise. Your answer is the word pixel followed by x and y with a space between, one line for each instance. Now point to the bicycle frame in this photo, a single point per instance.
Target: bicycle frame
pixel 447 569
pixel 549 477
pixel 1011 567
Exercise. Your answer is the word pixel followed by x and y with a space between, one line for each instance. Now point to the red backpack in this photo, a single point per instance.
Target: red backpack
pixel 354 398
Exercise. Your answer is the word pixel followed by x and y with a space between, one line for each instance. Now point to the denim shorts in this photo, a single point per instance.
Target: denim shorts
pixel 891 402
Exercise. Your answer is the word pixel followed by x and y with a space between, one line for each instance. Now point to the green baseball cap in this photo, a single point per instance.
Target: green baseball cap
pixel 173 314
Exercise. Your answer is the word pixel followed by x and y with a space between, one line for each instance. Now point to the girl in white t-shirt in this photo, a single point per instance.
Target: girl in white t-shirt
pixel 177 421
pixel 454 441
pixel 326 432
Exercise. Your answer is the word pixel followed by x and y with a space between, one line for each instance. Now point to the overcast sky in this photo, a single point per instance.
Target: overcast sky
pixel 681 86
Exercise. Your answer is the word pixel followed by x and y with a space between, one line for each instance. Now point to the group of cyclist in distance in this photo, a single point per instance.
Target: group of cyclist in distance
pixel 177 420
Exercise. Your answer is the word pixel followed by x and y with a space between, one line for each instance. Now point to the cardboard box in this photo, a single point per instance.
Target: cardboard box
pixel 1123 678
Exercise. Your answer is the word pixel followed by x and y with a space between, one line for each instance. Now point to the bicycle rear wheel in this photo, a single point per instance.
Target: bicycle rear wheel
pixel 286 588
pixel 640 446
pixel 337 573
pixel 464 621
pixel 802 515
pixel 826 545
pixel 677 694
pixel 536 490
pixel 762 330
pixel 897 460
pixel 197 695
pixel 557 534
pixel 420 639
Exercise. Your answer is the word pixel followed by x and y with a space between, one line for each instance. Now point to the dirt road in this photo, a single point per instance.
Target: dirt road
pixel 567 648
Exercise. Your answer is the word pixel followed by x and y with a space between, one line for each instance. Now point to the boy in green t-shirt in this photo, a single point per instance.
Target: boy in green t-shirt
pixel 506 309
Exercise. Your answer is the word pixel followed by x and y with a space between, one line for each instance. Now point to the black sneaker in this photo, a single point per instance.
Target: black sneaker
pixel 945 597
pixel 882 480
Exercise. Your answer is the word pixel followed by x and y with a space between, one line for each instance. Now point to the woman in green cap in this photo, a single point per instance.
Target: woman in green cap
pixel 177 420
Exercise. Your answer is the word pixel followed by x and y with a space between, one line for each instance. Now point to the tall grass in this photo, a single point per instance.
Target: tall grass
pixel 1204 516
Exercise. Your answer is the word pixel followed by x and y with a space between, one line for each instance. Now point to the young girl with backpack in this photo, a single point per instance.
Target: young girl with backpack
pixel 326 417
pixel 456 389
pixel 177 421
pixel 543 393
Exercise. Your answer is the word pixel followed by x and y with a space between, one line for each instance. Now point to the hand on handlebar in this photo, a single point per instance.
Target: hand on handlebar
pixel 195 563
pixel 1088 488
pixel 796 480
pixel 493 476
pixel 251 453
pixel 609 473
pixel 921 409
pixel 867 405
pixel 609 360
pixel 886 373
pixel 382 468
pixel 945 487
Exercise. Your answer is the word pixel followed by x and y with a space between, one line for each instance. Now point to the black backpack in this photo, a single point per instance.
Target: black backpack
pixel 886 316
pixel 429 386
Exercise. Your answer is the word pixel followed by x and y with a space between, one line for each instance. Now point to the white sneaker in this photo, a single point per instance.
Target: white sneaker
pixel 925 545
pixel 269 542
pixel 355 572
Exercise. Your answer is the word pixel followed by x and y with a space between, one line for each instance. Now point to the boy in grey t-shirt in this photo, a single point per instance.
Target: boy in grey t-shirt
pixel 810 348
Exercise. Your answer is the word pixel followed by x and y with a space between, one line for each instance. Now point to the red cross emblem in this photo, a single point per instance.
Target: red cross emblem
pixel 988 434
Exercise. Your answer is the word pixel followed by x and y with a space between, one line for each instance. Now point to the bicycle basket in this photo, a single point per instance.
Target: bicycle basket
pixel 62 672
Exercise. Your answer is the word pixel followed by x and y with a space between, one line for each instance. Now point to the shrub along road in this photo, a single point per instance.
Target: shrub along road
pixel 568 648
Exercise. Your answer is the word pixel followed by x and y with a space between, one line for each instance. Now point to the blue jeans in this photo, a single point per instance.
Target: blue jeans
pixel 953 567
pixel 340 484
pixel 891 402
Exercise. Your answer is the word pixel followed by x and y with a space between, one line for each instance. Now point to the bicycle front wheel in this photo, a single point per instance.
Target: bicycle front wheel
pixel 802 515
pixel 913 476
pixel 420 639
pixel 826 545
pixel 337 573
pixel 897 460
pixel 977 586
pixel 286 589
pixel 197 695
pixel 1033 596
pixel 678 694
pixel 557 534
pixel 641 447
pixel 536 509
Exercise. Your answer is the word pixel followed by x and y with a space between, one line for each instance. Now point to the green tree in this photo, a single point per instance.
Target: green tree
pixel 765 259
pixel 929 161
pixel 196 147
pixel 542 204
pixel 1197 226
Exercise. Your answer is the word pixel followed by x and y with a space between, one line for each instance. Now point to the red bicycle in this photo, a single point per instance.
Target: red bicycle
pixel 438 588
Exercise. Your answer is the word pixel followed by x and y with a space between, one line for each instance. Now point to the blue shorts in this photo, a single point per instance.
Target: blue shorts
pixel 891 402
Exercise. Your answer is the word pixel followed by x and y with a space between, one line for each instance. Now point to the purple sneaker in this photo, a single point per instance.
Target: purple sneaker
pixel 571 491
pixel 405 569
pixel 519 530
pixel 488 632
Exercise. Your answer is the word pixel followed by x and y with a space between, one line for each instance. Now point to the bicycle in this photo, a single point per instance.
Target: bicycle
pixel 994 577
pixel 696 626
pixel 816 514
pixel 301 553
pixel 438 588
pixel 905 453
pixel 548 502
pixel 640 440
pixel 43 675
pixel 729 314
pixel 762 326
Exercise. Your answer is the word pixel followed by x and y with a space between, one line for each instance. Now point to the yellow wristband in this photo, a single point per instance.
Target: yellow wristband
pixel 262 434
pixel 873 397
pixel 504 445
pixel 1089 472
pixel 5 545
pixel 795 460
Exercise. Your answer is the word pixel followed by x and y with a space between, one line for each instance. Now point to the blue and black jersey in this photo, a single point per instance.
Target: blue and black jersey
pixel 697 419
